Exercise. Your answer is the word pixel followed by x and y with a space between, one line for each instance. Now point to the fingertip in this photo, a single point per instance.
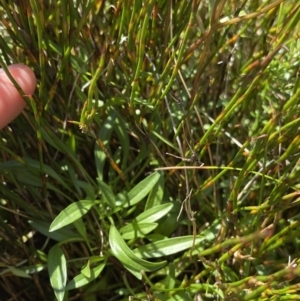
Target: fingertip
pixel 24 76
pixel 11 102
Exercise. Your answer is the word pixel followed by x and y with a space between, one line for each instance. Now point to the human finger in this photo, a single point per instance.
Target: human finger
pixel 11 102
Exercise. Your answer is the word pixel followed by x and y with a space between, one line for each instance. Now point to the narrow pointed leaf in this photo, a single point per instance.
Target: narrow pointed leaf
pixel 60 235
pixel 181 296
pixel 126 256
pixel 134 230
pixel 167 247
pixel 18 272
pixel 86 270
pixel 142 189
pixel 81 280
pixel 155 213
pixel 71 213
pixel 57 267
pixel 174 245
pixel 107 194
pixel 156 195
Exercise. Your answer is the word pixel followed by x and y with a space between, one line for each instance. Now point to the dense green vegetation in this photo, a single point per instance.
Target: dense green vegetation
pixel 158 158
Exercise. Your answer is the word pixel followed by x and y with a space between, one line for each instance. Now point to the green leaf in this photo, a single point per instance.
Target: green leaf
pixel 169 222
pixel 29 175
pixel 156 195
pixel 81 280
pixel 170 280
pixel 167 247
pixel 57 267
pixel 80 227
pixel 86 270
pixel 164 140
pixel 141 189
pixel 107 194
pixel 215 290
pixel 174 245
pixel 181 296
pixel 33 269
pixel 60 235
pixel 134 272
pixel 127 257
pixel 18 272
pixel 121 131
pixel 34 167
pixel 89 190
pixel 55 141
pixel 71 213
pixel 134 230
pixel 155 213
pixel 104 134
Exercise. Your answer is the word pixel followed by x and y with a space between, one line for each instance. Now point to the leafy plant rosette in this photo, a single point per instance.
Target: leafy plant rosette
pixel 122 247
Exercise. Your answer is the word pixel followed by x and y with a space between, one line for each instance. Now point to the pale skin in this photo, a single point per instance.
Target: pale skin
pixel 11 102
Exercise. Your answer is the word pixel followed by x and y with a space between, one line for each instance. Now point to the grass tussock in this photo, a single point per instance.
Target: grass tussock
pixel 158 158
